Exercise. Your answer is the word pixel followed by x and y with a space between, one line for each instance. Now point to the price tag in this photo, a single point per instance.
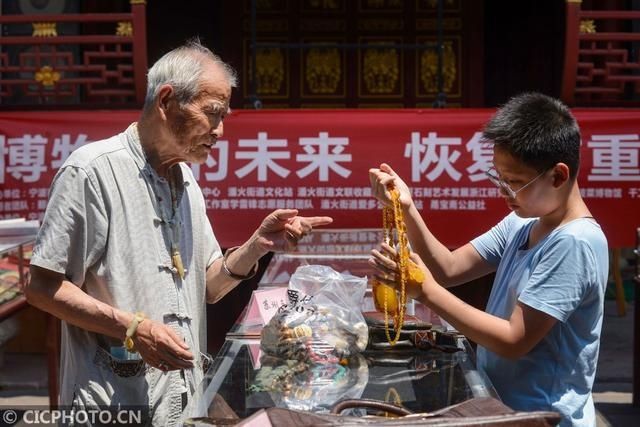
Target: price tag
pixel 264 304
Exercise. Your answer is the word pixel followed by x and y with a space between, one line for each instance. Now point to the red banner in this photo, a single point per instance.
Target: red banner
pixel 317 161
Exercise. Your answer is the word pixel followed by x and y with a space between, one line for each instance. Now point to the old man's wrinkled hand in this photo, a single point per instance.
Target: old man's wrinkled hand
pixel 282 229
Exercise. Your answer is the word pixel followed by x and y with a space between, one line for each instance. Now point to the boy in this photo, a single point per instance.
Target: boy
pixel 538 340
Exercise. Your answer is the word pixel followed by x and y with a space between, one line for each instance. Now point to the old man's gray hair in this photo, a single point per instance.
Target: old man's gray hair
pixel 182 69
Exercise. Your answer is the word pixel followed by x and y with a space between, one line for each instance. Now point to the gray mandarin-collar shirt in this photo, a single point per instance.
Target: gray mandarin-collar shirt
pixel 108 229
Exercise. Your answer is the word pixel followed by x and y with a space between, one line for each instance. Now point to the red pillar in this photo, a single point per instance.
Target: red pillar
pixel 571 44
pixel 138 9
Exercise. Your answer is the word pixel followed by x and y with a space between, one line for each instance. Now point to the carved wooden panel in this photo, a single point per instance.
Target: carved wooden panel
pixel 602 65
pixel 427 64
pixel 380 69
pixel 57 63
pixel 606 71
pixel 272 71
pixel 361 53
pixel 322 69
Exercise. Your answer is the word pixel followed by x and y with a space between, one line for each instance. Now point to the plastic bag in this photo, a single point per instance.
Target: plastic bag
pixel 323 322
pixel 297 385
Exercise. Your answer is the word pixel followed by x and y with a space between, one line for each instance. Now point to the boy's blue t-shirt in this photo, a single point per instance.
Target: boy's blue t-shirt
pixel 564 275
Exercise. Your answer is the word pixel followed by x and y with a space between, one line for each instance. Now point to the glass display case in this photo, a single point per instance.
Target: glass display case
pixel 12 273
pixel 242 380
pixel 238 384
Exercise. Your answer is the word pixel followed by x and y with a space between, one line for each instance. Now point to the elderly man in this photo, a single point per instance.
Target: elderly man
pixel 126 256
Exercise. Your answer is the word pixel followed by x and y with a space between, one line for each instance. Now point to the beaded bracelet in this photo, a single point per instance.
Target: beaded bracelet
pixel 131 331
pixel 233 275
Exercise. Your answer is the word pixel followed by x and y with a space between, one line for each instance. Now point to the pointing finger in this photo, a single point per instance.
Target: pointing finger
pixel 316 221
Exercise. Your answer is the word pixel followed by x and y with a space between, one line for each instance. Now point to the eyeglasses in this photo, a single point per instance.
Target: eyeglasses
pixel 506 188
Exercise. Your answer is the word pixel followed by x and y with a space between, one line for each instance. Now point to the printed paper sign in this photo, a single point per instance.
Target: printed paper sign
pixel 264 304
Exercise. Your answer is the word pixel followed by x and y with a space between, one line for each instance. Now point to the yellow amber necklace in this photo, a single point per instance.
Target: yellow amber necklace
pixel 392 218
pixel 408 272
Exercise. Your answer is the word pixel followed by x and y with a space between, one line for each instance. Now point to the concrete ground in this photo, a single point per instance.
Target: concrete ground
pixel 23 378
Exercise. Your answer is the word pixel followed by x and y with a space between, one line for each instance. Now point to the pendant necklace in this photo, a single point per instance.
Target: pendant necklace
pixel 176 259
pixel 173 222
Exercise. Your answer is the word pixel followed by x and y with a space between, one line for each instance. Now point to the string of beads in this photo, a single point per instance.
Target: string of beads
pixel 393 219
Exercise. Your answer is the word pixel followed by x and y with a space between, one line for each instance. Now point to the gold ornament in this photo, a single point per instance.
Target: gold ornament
pixel 47 76
pixel 429 69
pixel 587 26
pixel 381 70
pixel 124 29
pixel 44 29
pixel 323 70
pixel 269 70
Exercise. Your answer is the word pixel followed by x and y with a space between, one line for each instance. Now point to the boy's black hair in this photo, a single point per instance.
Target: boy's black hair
pixel 538 130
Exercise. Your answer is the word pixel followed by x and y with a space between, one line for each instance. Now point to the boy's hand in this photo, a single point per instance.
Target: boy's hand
pixel 386 270
pixel 382 180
